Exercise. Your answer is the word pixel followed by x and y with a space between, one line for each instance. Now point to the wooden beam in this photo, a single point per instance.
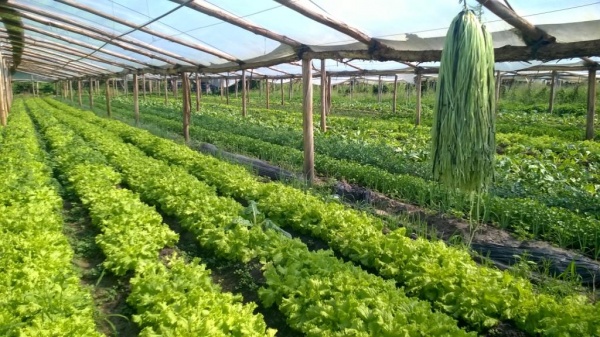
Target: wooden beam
pixel 418 90
pixel 107 94
pixel 214 11
pixel 591 103
pixel 307 121
pixel 186 107
pixel 147 30
pixel 58 61
pixel 244 94
pixel 552 91
pixel 532 35
pixel 82 28
pixel 136 102
pixel 327 21
pixel 198 90
pixel 323 98
pixel 395 99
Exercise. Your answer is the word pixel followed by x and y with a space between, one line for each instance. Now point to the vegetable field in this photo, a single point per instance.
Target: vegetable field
pixel 368 279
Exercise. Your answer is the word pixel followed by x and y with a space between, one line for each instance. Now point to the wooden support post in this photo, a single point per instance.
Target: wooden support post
pixel 71 90
pixel 236 89
pixel 227 89
pixel 418 108
pixel 166 91
pixel 591 103
pixel 291 89
pixel 79 92
pixel 281 84
pixel 379 90
pixel 351 88
pixel 323 98
pixel 244 93
pixel 175 87
pixel 136 102
pixel 158 85
pixel 395 99
pixel 107 92
pixel 144 85
pixel 307 125
pixel 552 91
pixel 186 106
pixel 198 84
pixel 249 84
pixel 3 97
pixel 267 91
pixel 221 87
pixel 150 86
pixel 91 94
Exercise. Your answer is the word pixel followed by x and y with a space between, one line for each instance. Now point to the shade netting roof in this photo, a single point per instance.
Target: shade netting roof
pixel 91 38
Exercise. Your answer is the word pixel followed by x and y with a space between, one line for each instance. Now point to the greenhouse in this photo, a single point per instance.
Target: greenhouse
pixel 299 168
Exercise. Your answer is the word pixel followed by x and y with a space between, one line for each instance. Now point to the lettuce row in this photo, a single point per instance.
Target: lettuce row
pixel 132 235
pixel 40 292
pixel 216 222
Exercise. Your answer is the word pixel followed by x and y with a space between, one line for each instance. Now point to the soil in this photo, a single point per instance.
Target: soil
pixel 113 314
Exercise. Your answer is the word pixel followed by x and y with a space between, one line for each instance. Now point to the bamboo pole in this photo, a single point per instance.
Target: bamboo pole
pixel 307 125
pixel 227 89
pixel 418 108
pixel 71 90
pixel 291 89
pixel 198 92
pixel 236 89
pixel 552 91
pixel 175 87
pixel 249 84
pixel 221 88
pixel 144 86
pixel 244 93
pixel 591 103
pixel 267 91
pixel 150 86
pixel 395 100
pixel 323 98
pixel 3 96
pixel 351 88
pixel 281 83
pixel 186 106
pixel 136 103
pixel 107 93
pixel 79 93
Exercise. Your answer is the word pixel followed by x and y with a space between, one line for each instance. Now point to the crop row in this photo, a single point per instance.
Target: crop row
pixel 40 292
pixel 524 215
pixel 320 295
pixel 445 276
pixel 132 235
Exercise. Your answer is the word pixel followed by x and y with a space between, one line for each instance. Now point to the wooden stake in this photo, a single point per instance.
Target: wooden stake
pixel 3 97
pixel 267 91
pixel 291 89
pixel 186 106
pixel 227 89
pixel 395 100
pixel 418 87
pixel 71 90
pixel 351 88
pixel 79 92
pixel 198 92
pixel 175 87
pixel 144 85
pixel 166 91
pixel 244 93
pixel 307 125
pixel 281 83
pixel 136 103
pixel 150 86
pixel 591 103
pixel 236 89
pixel 249 84
pixel 108 109
pixel 323 98
pixel 221 87
pixel 329 88
pixel 552 92
pixel 91 94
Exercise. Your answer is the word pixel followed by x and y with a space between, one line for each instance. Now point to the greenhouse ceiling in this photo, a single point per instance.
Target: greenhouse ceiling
pixel 82 38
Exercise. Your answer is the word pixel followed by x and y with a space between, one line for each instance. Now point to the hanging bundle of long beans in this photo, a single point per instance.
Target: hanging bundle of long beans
pixel 463 132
